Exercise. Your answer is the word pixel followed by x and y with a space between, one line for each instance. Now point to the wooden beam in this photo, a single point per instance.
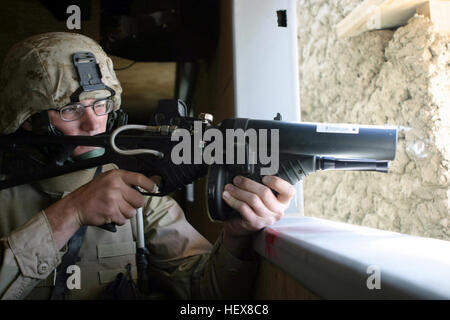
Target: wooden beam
pixel 439 14
pixel 272 283
pixel 376 15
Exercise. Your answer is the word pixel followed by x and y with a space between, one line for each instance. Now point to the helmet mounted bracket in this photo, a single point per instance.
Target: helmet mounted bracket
pixel 89 75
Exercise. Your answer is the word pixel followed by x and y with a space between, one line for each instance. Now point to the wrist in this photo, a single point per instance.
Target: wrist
pixel 64 222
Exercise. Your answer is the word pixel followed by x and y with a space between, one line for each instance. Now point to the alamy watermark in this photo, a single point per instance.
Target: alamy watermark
pixel 241 147
pixel 374 280
pixel 74 20
pixel 74 280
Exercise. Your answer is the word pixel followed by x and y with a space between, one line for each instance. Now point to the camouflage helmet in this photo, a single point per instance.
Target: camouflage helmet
pixel 38 74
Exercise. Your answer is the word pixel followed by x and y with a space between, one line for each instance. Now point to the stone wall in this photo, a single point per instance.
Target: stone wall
pixel 395 77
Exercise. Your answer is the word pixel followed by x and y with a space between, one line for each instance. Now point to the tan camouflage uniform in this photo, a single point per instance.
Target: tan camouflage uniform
pixel 38 74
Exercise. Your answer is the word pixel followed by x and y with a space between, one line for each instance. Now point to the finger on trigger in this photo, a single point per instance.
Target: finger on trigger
pixel 139 180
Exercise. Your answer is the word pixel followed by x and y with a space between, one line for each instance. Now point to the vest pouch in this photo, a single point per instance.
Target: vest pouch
pixel 122 288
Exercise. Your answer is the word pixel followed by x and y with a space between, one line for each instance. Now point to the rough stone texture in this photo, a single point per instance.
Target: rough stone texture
pixel 389 77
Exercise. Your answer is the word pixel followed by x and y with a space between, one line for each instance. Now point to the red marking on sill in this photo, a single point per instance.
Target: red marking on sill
pixel 271 235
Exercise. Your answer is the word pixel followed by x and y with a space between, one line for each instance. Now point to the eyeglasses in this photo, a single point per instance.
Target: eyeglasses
pixel 75 111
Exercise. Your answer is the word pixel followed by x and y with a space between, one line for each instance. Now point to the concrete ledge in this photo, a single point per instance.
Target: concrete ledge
pixel 341 261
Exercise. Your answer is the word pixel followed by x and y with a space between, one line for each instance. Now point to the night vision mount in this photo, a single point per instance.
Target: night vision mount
pixel 89 75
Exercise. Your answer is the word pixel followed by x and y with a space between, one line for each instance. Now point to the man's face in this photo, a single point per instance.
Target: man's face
pixel 88 125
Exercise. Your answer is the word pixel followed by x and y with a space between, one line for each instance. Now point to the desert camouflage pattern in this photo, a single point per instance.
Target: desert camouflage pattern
pixel 185 263
pixel 38 74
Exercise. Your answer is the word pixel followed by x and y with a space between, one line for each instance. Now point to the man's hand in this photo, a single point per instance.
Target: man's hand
pixel 258 206
pixel 108 198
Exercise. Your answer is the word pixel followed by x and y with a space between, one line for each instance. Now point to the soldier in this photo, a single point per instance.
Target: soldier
pixel 41 223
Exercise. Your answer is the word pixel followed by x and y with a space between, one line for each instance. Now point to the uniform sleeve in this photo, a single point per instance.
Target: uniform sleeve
pixel 28 255
pixel 186 264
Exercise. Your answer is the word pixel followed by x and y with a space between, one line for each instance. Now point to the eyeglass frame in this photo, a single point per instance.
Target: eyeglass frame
pixel 84 107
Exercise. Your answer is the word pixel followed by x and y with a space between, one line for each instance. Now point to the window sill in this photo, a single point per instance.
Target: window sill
pixel 336 260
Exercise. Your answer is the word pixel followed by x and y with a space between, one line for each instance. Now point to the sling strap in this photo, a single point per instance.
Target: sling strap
pixel 70 258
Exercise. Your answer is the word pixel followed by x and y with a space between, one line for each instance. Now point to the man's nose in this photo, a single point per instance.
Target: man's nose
pixel 89 120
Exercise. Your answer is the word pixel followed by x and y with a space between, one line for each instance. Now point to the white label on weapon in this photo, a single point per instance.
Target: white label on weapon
pixel 337 128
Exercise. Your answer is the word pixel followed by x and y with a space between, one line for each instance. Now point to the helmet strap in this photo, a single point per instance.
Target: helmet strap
pixel 42 125
pixel 116 119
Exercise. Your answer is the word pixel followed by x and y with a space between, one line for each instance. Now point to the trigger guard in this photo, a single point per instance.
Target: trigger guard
pixel 152 194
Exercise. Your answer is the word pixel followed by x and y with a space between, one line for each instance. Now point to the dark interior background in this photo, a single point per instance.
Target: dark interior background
pixel 144 83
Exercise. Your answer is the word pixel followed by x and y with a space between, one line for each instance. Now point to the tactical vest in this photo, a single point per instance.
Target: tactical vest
pixel 103 254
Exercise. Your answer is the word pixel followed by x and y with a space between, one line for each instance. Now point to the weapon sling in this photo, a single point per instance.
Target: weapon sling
pixel 70 258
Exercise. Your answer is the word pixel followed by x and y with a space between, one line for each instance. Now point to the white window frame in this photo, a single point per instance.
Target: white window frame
pixel 334 260
pixel 265 61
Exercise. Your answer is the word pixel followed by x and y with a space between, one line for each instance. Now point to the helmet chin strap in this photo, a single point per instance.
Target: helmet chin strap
pixel 57 154
pixel 90 154
pixel 41 124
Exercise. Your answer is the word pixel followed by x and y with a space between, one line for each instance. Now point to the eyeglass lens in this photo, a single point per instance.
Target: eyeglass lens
pixel 75 111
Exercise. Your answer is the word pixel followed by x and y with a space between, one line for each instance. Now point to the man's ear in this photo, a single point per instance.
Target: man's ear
pixel 27 125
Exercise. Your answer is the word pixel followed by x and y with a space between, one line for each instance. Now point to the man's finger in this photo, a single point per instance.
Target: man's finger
pixel 264 193
pixel 247 213
pixel 138 179
pixel 118 217
pixel 285 190
pixel 126 210
pixel 251 220
pixel 133 197
pixel 251 199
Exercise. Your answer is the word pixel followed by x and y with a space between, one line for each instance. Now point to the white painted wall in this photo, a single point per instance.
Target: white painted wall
pixel 266 64
pixel 265 60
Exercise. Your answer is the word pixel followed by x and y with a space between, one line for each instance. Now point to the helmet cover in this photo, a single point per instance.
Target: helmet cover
pixel 38 74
